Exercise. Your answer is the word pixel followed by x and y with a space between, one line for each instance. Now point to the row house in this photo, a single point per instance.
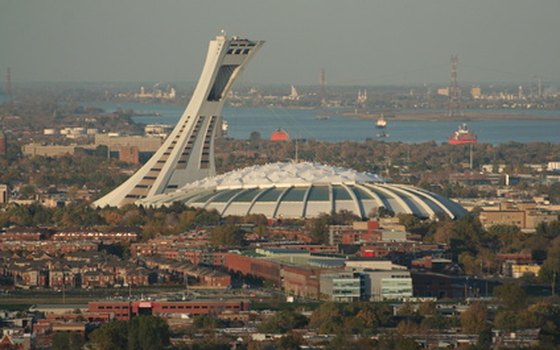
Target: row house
pixel 26 276
pixel 25 234
pixel 97 279
pixel 115 235
pixel 127 273
pixel 51 248
pixel 206 276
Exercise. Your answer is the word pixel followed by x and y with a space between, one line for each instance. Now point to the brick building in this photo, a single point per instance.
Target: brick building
pixel 124 310
pixel 129 154
pixel 251 266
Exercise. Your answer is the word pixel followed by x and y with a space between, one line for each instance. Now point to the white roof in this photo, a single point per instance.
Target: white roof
pixel 284 174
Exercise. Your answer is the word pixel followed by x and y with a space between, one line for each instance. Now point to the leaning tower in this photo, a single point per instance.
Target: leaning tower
pixel 187 154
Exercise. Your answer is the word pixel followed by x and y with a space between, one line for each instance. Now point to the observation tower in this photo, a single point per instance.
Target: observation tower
pixel 187 154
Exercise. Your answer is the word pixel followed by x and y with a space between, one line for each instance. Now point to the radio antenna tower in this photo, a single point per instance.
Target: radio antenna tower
pixel 454 91
pixel 8 88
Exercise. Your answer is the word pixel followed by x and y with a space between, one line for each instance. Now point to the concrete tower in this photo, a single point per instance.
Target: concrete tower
pixel 187 154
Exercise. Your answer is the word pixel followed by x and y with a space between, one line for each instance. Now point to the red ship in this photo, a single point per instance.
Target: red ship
pixel 462 136
pixel 279 135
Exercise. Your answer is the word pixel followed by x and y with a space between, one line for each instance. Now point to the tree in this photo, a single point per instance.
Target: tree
pixel 147 333
pixel 511 297
pixel 206 322
pixel 111 336
pixel 227 235
pixel 427 308
pixel 67 341
pixel 396 342
pixel 255 136
pixel 551 267
pixel 327 318
pixel 467 235
pixel 140 333
pixel 473 320
pixel 506 320
pixel 485 338
pixel 549 230
pixel 283 322
pixel 319 229
pixel 470 264
pixel 290 341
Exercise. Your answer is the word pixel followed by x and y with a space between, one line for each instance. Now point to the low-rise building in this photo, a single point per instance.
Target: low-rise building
pixel 341 286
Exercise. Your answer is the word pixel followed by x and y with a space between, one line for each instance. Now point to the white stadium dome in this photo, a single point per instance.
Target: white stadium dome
pixel 303 190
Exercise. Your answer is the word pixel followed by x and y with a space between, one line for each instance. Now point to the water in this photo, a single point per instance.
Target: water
pixel 301 123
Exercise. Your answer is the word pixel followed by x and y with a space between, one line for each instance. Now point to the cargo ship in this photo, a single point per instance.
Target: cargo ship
pixel 462 136
pixel 279 135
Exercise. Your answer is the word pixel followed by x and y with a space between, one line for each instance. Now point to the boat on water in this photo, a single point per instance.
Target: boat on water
pixel 382 134
pixel 279 135
pixel 381 123
pixel 322 117
pixel 462 136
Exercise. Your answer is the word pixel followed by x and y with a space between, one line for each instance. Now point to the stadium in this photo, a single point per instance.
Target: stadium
pixel 303 190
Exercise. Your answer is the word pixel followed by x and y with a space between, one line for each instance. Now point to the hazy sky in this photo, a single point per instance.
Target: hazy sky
pixel 367 42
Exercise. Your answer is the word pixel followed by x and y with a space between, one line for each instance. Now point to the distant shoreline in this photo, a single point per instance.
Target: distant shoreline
pixel 474 116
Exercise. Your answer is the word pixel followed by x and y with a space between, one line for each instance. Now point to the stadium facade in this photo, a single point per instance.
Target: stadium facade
pixel 299 190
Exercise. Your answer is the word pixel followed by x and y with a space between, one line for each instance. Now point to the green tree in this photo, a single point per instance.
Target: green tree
pixel 140 333
pixel 111 336
pixel 551 267
pixel 283 322
pixel 511 297
pixel 227 235
pixel 67 341
pixel 290 341
pixel 318 229
pixel 467 235
pixel 507 320
pixel 549 230
pixel 206 322
pixel 396 342
pixel 147 333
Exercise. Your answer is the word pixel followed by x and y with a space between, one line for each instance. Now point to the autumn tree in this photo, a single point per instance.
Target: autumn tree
pixel 227 235
pixel 510 297
pixel 283 322
pixel 473 320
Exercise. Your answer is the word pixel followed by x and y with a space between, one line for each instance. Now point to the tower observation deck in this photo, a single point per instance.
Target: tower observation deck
pixel 187 154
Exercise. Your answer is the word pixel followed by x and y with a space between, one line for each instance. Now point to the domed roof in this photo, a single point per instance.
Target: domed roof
pixel 283 174
pixel 295 190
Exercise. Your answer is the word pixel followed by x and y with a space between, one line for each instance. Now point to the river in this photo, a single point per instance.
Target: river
pixel 301 123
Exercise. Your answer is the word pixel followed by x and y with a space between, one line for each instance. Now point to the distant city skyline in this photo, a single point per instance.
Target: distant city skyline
pixel 399 42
